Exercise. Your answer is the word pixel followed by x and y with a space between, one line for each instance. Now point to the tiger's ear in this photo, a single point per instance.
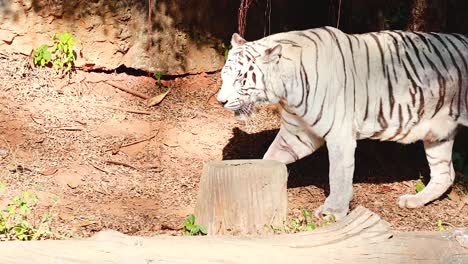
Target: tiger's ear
pixel 237 40
pixel 272 55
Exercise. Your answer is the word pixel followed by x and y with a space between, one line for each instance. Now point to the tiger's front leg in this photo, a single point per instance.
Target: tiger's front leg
pixel 341 157
pixel 288 147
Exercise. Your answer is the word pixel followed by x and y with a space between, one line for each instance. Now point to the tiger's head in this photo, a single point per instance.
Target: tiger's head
pixel 248 68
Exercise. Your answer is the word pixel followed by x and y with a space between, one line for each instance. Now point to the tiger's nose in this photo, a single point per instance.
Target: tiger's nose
pixel 222 100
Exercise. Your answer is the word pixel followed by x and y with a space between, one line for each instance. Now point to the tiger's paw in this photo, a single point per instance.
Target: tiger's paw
pixel 330 214
pixel 410 201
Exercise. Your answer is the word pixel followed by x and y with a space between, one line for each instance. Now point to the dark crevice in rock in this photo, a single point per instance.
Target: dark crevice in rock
pixel 139 72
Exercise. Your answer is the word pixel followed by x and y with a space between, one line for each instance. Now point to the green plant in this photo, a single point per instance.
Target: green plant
pixel 330 220
pixel 443 225
pixel 61 55
pixel 42 55
pixel 420 185
pixel 440 225
pixel 64 56
pixel 226 49
pixel 158 75
pixel 275 229
pixel 295 225
pixel 191 229
pixel 14 222
pixel 304 223
pixel 309 225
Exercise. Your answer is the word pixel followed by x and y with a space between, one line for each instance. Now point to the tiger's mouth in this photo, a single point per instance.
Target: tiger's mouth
pixel 245 110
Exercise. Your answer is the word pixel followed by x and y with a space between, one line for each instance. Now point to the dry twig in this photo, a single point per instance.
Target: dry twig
pixel 98 168
pixel 140 141
pixel 117 146
pixel 213 94
pixel 113 162
pixel 36 121
pixel 80 122
pixel 128 90
pixel 141 112
pixel 71 128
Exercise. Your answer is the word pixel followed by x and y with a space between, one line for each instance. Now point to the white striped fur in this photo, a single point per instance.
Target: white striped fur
pixel 338 88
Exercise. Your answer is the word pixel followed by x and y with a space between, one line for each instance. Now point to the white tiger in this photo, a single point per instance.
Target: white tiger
pixel 338 88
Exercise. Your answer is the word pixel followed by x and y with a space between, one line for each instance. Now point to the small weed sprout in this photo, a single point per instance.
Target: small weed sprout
pixel 62 54
pixel 158 75
pixel 14 223
pixel 309 225
pixel 226 49
pixel 420 185
pixel 304 223
pixel 329 221
pixel 191 229
pixel 440 225
pixel 42 55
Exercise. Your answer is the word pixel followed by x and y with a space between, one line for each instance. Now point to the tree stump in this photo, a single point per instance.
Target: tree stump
pixel 242 196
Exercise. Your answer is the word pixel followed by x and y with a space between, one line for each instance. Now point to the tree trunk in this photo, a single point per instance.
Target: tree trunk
pixel 418 11
pixel 361 237
pixel 241 197
pixel 428 15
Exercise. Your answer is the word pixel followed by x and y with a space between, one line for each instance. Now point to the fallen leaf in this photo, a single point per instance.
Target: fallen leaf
pixel 385 188
pixel 171 145
pixel 171 227
pixel 73 183
pixel 86 223
pixel 158 98
pixel 66 217
pixel 48 172
pixel 378 203
pixel 116 148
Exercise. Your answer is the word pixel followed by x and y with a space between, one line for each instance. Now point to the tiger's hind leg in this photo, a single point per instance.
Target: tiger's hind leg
pixel 439 157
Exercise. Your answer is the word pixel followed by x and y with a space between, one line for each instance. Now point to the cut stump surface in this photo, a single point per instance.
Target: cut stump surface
pixel 242 196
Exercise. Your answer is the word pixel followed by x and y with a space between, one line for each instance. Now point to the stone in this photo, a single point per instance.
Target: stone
pixel 110 34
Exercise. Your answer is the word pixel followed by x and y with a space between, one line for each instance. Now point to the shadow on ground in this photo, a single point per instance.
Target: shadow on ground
pixel 376 162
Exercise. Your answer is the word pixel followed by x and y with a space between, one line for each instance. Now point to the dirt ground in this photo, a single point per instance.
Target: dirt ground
pixel 65 140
